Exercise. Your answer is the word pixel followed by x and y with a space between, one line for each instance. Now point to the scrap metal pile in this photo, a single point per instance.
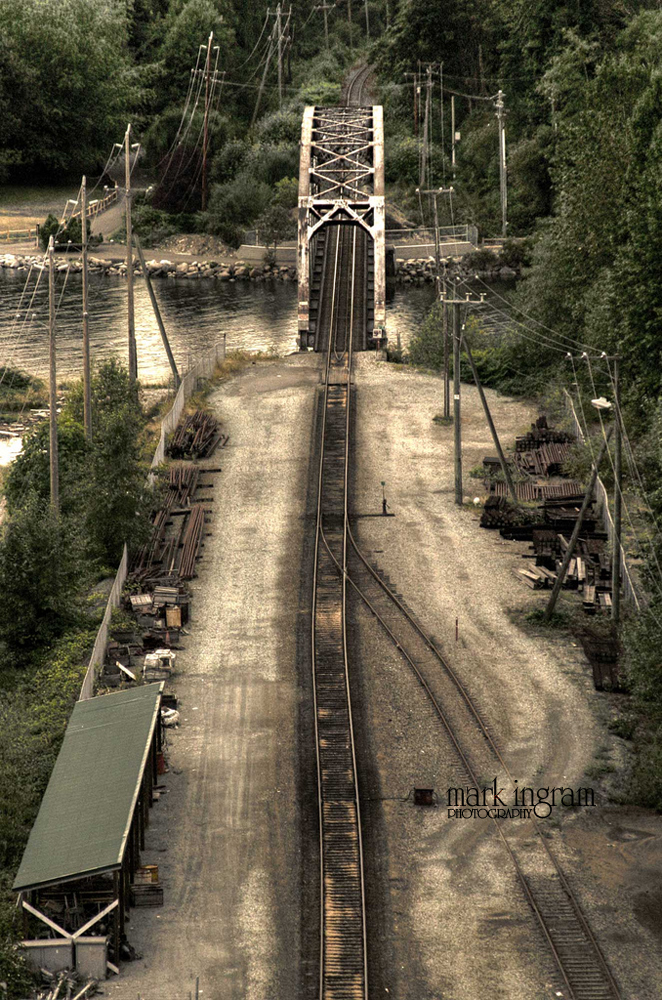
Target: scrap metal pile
pixel 196 436
pixel 549 524
pixel 65 985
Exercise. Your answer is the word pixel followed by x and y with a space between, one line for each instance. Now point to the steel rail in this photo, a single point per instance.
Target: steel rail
pixel 343 974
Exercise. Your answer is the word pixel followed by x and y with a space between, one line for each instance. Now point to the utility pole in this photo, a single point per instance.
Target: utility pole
pixel 87 393
pixel 457 426
pixel 441 290
pixel 133 355
pixel 424 150
pixel 493 430
pixel 453 134
pixel 205 129
pixel 616 547
pixel 52 382
pixel 157 313
pixel 503 176
pixel 349 19
pixel 560 577
pixel 280 56
pixel 264 77
pixel 325 7
pixel 367 22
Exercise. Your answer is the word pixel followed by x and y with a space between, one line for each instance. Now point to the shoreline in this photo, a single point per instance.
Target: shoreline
pixel 417 271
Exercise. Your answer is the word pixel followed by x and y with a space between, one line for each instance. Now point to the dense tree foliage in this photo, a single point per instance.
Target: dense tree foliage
pixel 65 84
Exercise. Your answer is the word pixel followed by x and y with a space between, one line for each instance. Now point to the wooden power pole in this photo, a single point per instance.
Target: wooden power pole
pixel 618 476
pixel 279 32
pixel 205 127
pixel 157 313
pixel 457 416
pixel 441 290
pixel 133 354
pixel 457 425
pixel 52 382
pixel 87 390
pixel 560 576
pixel 503 174
pixel 493 430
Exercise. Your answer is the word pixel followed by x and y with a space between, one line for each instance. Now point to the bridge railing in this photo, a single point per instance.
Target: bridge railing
pixel 602 499
pixel 99 205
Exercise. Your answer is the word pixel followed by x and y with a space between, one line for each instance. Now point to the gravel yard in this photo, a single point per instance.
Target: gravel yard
pixel 232 837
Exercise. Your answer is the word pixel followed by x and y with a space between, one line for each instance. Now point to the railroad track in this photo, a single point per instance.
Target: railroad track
pixel 582 969
pixel 355 94
pixel 343 950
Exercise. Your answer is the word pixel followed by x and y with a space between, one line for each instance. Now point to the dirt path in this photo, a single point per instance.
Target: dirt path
pixel 226 836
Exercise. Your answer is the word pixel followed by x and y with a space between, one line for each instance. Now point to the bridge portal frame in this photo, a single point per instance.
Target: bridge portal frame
pixel 341 179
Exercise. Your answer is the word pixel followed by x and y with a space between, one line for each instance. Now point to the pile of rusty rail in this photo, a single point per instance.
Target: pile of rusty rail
pixel 541 434
pixel 192 542
pixel 499 512
pixel 546 460
pixel 196 436
pixel 170 555
pixel 531 492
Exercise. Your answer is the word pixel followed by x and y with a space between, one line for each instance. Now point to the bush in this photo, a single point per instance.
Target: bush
pixel 276 225
pixel 236 203
pixel 515 254
pixel 480 260
pixel 287 192
pixel 34 711
pixel 280 127
pixel 71 233
pixel 229 160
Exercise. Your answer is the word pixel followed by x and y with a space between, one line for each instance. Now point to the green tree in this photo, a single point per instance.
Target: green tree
pixel 29 473
pixel 65 83
pixel 40 576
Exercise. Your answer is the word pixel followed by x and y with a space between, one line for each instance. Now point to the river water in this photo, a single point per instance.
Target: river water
pixel 196 313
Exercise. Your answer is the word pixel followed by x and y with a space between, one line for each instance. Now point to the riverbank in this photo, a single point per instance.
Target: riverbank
pixel 110 259
pixel 112 263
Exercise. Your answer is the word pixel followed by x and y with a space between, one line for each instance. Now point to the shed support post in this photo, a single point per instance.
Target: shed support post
pixel 116 921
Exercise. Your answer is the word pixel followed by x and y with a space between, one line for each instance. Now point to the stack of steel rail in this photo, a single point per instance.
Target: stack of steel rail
pixel 160 558
pixel 195 436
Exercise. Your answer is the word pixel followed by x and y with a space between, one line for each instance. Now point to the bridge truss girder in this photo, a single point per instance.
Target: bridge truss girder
pixel 341 180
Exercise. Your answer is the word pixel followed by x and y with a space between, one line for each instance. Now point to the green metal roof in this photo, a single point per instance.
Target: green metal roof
pixel 85 814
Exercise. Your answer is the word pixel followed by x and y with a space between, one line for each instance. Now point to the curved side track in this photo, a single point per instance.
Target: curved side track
pixel 343 952
pixel 584 972
pixel 355 95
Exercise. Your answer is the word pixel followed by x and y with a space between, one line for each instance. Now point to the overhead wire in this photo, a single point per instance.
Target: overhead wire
pixel 623 500
pixel 192 80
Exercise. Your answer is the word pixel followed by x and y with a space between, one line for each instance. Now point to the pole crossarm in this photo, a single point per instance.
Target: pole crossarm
pixel 341 181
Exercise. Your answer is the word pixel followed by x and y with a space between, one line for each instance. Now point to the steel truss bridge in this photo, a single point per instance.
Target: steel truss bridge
pixel 341 183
